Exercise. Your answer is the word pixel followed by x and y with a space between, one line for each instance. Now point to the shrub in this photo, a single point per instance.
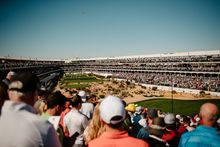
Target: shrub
pixel 115 82
pixel 143 87
pixel 174 92
pixel 128 82
pixel 101 96
pixel 202 93
pixel 154 88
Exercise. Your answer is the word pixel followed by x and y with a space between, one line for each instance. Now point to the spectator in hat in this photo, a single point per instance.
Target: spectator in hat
pixel 156 132
pixel 20 125
pixel 86 108
pixel 205 134
pixel 75 122
pixel 9 77
pixel 171 135
pixel 137 117
pixel 131 108
pixel 112 114
pixel 151 114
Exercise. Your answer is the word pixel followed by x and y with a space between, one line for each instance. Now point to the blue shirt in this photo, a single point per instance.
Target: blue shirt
pixel 202 136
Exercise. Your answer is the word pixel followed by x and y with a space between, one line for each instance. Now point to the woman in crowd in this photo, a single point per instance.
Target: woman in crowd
pixel 95 127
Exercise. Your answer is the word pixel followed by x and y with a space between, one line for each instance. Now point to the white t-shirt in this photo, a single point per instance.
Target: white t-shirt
pixel 76 122
pixel 87 109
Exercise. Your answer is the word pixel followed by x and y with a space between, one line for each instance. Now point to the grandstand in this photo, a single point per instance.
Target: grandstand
pixel 190 70
pixel 47 70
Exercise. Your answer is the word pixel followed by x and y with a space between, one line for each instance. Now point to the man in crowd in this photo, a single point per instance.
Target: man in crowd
pixel 86 108
pixel 205 134
pixel 19 126
pixel 75 122
pixel 55 104
pixel 9 77
pixel 113 113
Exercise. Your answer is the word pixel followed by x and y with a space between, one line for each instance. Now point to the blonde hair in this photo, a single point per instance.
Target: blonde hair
pixel 95 128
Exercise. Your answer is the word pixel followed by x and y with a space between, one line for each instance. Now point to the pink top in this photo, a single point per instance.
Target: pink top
pixel 119 139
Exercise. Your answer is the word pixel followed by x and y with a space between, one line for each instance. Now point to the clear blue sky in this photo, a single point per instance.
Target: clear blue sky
pixel 100 28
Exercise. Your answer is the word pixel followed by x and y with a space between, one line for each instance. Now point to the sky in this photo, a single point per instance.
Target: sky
pixel 64 29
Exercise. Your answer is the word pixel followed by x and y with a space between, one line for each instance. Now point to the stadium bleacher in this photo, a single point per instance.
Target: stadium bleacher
pixel 194 70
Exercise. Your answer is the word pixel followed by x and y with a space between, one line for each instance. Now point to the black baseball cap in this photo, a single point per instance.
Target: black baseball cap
pixel 25 82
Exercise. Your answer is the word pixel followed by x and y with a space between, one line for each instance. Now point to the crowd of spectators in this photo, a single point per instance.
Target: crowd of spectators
pixel 199 82
pixel 67 119
pixel 10 63
pixel 199 72
pixel 193 71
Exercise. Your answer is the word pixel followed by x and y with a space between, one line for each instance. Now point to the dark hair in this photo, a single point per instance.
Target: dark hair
pixel 55 99
pixel 42 92
pixel 76 100
pixel 186 120
pixel 118 125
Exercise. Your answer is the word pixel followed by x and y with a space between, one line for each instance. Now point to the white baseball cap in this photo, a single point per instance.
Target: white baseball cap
pixel 82 94
pixel 111 107
pixel 169 118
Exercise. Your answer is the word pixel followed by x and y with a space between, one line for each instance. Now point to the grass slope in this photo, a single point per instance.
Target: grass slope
pixel 185 107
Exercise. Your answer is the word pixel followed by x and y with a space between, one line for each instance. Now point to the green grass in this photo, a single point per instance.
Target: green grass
pixel 78 81
pixel 186 107
pixel 77 86
pixel 79 78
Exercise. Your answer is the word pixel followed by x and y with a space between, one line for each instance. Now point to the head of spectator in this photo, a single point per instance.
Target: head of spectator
pixel 92 98
pixel 41 104
pixel 170 121
pixel 205 134
pixel 3 94
pixel 23 124
pixel 24 88
pixel 42 94
pixel 55 103
pixel 139 110
pixel 76 102
pixel 152 113
pixel 112 113
pixel 130 108
pixel 208 114
pixel 83 95
pixel 10 76
pixel 113 117
pixel 158 127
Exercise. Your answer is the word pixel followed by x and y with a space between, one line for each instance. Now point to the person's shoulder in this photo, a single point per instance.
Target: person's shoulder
pixel 36 119
pixel 185 136
pixel 88 104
